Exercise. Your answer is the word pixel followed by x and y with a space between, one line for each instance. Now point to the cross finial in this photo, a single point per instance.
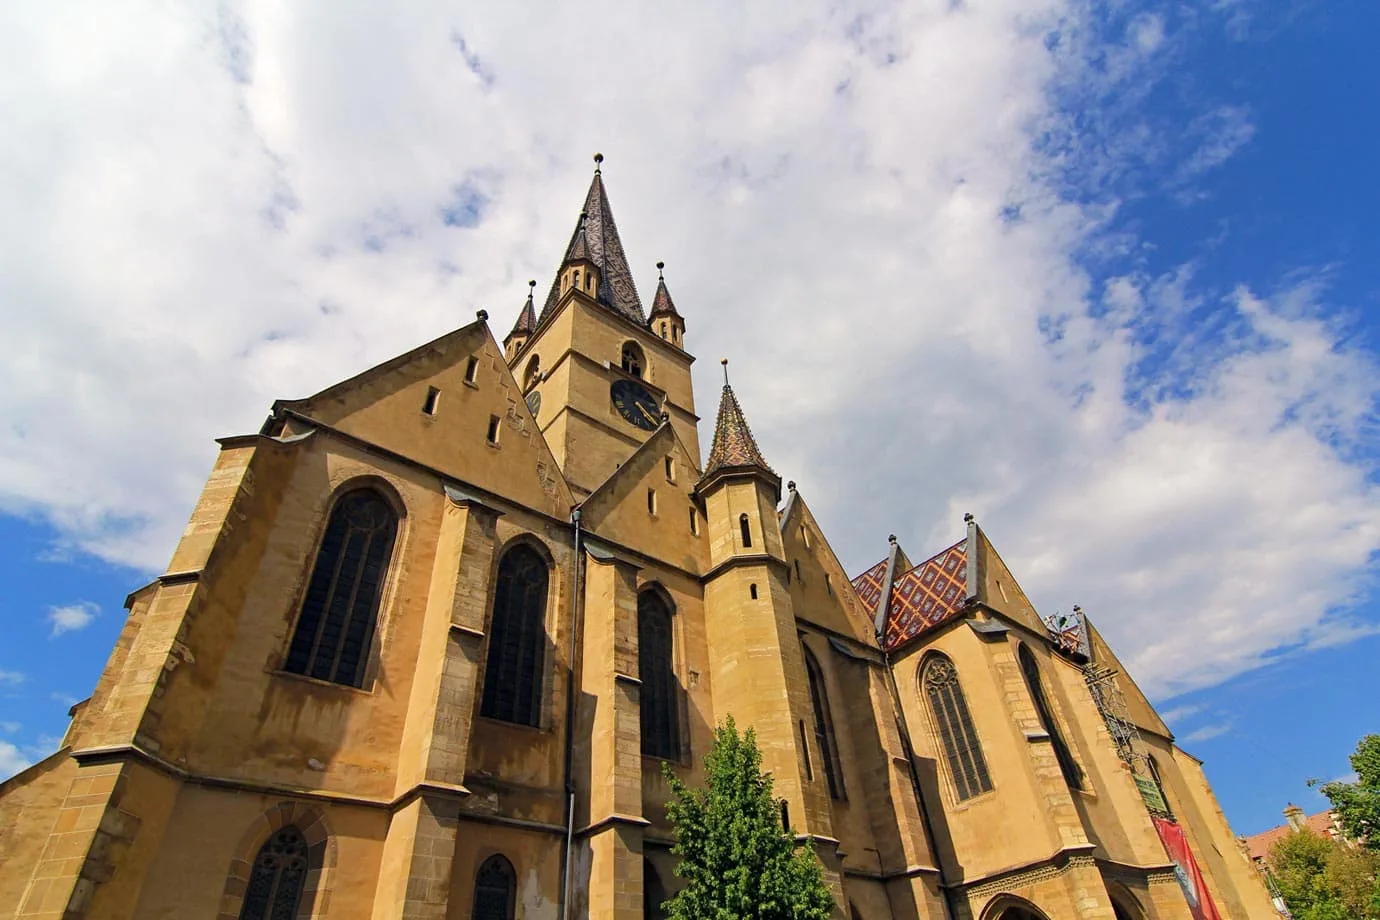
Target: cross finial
pixel 598 160
pixel 724 362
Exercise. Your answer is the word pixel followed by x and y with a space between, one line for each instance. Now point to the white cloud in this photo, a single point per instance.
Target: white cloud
pixel 11 760
pixel 72 617
pixel 1206 733
pixel 11 677
pixel 1179 713
pixel 861 207
pixel 9 727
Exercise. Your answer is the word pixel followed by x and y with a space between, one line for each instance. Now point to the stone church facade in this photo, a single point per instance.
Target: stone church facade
pixel 431 633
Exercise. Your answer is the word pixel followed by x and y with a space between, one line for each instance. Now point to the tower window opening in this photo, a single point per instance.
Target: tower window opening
pixel 694 523
pixel 577 277
pixel 663 330
pixel 828 584
pixel 796 563
pixel 805 753
pixel 633 361
pixel 670 469
pixel 471 369
pixel 674 336
pixel 492 436
pixel 532 375
pixel 752 591
pixel 746 531
pixel 785 817
pixel 651 501
pixel 589 281
pixel 433 396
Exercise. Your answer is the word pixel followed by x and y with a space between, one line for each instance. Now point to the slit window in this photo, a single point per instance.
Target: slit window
pixel 752 591
pixel 694 523
pixel 746 531
pixel 651 501
pixel 433 396
pixel 824 727
pixel 670 469
pixel 828 584
pixel 471 369
pixel 805 752
pixel 492 436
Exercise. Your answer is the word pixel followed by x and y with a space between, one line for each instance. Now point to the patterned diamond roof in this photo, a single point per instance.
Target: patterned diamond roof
pixel 927 595
pixel 1070 633
pixel 596 238
pixel 868 586
pixel 733 441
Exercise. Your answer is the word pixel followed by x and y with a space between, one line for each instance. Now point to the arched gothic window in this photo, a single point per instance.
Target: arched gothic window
pixel 517 638
pixel 954 724
pixel 495 890
pixel 656 667
pixel 824 727
pixel 1073 774
pixel 339 613
pixel 1154 768
pixel 277 878
pixel 533 373
pixel 633 361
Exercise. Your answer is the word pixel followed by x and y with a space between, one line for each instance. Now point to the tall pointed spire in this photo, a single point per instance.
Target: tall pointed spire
pixel 602 246
pixel 734 445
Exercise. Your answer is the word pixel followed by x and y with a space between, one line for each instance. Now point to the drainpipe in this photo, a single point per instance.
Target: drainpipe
pixel 570 687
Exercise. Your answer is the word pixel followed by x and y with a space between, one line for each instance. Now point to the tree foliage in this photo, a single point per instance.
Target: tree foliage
pixel 737 862
pixel 1357 805
pixel 1321 879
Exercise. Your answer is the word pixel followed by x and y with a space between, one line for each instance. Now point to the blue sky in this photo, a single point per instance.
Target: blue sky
pixel 1102 274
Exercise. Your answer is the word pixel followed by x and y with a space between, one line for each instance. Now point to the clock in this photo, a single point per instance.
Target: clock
pixel 534 402
pixel 636 404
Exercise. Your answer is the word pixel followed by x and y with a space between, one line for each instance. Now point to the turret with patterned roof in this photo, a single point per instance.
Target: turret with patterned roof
pixel 524 327
pixel 665 321
pixel 734 449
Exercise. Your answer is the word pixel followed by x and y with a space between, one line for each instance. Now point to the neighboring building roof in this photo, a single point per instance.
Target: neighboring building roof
pixel 596 239
pixel 734 445
pixel 527 318
pixel 1323 823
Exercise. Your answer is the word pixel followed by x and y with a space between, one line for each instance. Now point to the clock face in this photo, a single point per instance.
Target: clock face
pixel 534 402
pixel 636 404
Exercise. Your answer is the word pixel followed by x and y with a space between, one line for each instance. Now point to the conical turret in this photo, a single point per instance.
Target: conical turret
pixel 665 321
pixel 524 327
pixel 734 449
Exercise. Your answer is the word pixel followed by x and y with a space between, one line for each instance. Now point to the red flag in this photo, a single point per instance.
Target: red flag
pixel 1186 868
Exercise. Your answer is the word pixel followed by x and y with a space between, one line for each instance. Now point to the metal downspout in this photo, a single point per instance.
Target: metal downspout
pixel 570 687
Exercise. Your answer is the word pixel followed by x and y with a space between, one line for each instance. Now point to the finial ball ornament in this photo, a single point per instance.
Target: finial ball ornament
pixel 791 485
pixel 968 518
pixel 891 538
pixel 483 315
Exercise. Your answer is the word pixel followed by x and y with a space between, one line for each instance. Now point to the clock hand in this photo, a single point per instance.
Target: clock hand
pixel 645 414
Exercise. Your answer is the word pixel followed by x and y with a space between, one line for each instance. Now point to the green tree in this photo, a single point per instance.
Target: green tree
pixel 1298 862
pixel 1358 804
pixel 737 861
pixel 1322 879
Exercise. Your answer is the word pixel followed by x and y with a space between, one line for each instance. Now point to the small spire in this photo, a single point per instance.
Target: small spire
pixel 527 317
pixel 734 445
pixel 662 305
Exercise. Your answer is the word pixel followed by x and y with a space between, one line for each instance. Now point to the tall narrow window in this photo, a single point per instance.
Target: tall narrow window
pixel 433 396
pixel 656 667
pixel 747 531
pixel 954 725
pixel 492 435
pixel 824 727
pixel 339 613
pixel 1159 784
pixel 694 523
pixel 1073 774
pixel 278 876
pixel 471 369
pixel 651 501
pixel 517 636
pixel 495 890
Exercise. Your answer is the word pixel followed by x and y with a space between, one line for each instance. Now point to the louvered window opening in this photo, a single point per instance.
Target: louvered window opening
pixel 962 750
pixel 340 611
pixel 517 639
pixel 660 717
pixel 1073 774
pixel 494 890
pixel 824 727
pixel 277 878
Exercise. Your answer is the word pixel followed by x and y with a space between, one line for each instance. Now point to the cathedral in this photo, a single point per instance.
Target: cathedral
pixel 431 634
